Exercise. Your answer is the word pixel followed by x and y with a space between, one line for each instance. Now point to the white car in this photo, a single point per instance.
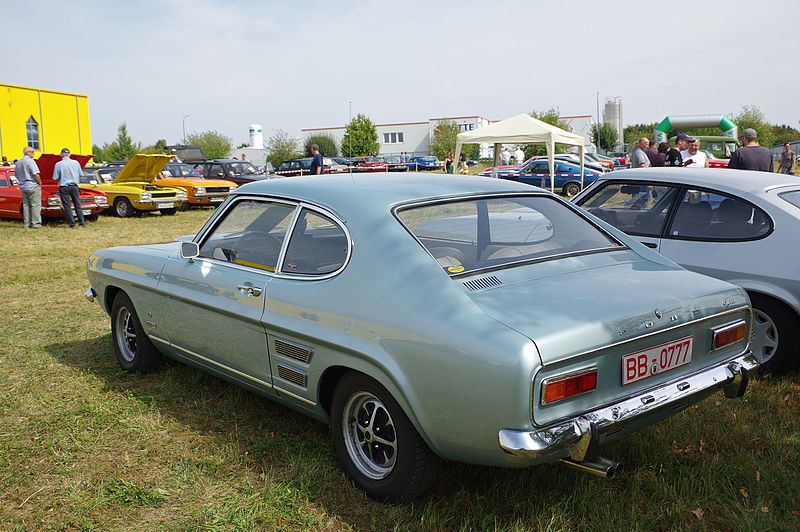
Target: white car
pixel 735 225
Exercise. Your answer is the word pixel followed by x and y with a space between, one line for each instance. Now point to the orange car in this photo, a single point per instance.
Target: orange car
pixel 201 191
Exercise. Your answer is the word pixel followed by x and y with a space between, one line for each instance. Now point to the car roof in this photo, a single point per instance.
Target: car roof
pixel 379 189
pixel 718 178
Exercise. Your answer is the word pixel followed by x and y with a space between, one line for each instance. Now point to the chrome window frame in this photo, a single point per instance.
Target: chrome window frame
pixel 298 205
pixel 396 208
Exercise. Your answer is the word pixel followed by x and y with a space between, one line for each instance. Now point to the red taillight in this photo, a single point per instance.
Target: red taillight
pixel 563 387
pixel 730 334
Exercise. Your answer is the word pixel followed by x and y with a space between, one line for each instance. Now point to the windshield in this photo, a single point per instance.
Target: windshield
pixel 241 168
pixel 180 170
pixel 475 234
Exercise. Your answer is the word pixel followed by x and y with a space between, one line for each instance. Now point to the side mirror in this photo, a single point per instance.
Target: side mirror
pixel 190 250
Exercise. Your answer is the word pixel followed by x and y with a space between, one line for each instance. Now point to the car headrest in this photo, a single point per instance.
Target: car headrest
pixel 732 211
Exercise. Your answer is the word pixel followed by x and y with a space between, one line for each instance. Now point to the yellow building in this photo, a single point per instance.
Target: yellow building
pixel 47 120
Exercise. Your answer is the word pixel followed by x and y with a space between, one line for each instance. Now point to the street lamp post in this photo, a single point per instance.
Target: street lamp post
pixel 184 127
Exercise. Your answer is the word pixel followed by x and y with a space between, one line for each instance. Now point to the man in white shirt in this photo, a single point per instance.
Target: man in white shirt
pixel 693 157
pixel 519 156
pixel 506 155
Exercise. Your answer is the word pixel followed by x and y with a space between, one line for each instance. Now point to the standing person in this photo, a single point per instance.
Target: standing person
pixel 661 153
pixel 506 156
pixel 751 156
pixel 5 161
pixel 652 152
pixel 448 163
pixel 462 164
pixel 519 155
pixel 693 157
pixel 639 158
pixel 788 160
pixel 673 156
pixel 68 174
pixel 316 160
pixel 30 182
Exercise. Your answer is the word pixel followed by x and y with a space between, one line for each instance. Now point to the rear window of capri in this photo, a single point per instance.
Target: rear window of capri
pixel 468 235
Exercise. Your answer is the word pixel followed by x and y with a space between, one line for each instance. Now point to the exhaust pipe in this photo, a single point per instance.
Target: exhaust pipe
pixel 600 467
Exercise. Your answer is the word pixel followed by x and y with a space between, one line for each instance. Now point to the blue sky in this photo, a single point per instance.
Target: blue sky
pixel 292 65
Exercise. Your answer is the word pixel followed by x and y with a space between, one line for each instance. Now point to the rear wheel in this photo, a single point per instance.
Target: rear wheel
pixel 169 212
pixel 378 447
pixel 775 337
pixel 123 208
pixel 135 352
pixel 571 189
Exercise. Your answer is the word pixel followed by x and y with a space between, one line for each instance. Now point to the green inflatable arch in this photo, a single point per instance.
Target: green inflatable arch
pixel 725 124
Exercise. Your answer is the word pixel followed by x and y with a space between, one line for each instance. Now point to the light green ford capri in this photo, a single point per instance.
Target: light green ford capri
pixel 467 319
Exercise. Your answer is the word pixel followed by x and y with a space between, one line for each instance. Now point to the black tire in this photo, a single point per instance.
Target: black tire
pixel 571 189
pixel 397 474
pixel 123 208
pixel 135 352
pixel 775 338
pixel 185 206
pixel 91 217
pixel 169 212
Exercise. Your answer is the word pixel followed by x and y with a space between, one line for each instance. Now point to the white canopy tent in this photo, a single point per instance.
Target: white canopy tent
pixel 522 129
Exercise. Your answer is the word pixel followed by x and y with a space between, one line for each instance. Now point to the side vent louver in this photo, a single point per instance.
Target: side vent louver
pixel 483 283
pixel 297 352
pixel 292 375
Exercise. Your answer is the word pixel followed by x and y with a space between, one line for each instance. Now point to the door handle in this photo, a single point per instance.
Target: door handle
pixel 651 245
pixel 249 289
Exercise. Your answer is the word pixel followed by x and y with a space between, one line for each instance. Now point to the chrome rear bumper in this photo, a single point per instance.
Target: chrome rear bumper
pixel 578 434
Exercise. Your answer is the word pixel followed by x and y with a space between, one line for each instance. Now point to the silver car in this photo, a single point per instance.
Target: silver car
pixel 735 225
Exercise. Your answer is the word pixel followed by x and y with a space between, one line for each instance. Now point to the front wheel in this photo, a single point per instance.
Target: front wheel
pixel 169 212
pixel 378 447
pixel 135 352
pixel 123 208
pixel 571 189
pixel 776 334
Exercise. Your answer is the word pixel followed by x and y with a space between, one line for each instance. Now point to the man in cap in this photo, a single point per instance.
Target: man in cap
pixel 693 157
pixel 30 182
pixel 751 156
pixel 673 156
pixel 68 174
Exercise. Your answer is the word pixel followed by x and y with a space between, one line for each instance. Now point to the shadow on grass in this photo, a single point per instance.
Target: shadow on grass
pixel 295 451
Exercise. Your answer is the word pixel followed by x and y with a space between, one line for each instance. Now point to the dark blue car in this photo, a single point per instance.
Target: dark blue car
pixel 418 163
pixel 537 173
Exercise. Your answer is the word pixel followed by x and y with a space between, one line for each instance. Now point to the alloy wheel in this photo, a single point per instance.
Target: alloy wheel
pixel 126 334
pixel 369 435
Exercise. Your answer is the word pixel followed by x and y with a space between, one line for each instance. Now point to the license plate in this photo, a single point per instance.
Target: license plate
pixel 166 205
pixel 654 360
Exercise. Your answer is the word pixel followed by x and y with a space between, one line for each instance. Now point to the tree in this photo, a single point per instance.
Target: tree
pixel 444 139
pixel 281 147
pixel 360 137
pixel 752 117
pixel 123 147
pixel 549 116
pixel 605 136
pixel 214 144
pixel 160 147
pixel 784 134
pixel 99 153
pixel 326 143
pixel 243 145
pixel 631 134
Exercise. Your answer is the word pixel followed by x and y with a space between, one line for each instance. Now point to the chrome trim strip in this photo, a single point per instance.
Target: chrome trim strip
pixel 653 333
pixel 201 357
pixel 561 438
pixel 773 187
pixel 295 396
pixel 564 376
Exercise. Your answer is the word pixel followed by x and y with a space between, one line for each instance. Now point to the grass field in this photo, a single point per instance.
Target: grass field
pixel 85 446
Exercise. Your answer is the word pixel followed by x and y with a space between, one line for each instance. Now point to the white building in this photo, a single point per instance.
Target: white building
pixel 414 138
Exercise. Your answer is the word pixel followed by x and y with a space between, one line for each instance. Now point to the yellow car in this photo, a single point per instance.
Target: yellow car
pixel 132 191
pixel 201 191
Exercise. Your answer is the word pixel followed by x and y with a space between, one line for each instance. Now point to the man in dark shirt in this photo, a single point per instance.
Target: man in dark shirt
pixel 751 156
pixel 673 156
pixel 316 161
pixel 652 154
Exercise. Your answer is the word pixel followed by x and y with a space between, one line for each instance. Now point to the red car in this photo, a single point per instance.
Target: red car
pixel 369 164
pixel 92 201
pixel 713 162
